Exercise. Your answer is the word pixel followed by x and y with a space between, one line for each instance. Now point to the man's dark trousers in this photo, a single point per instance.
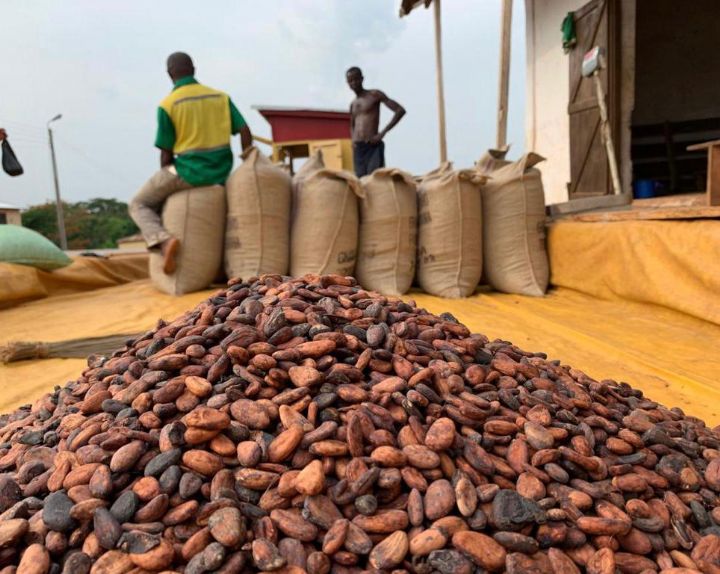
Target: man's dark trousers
pixel 368 157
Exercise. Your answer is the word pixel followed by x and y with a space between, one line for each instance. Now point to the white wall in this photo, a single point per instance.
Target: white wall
pixel 547 127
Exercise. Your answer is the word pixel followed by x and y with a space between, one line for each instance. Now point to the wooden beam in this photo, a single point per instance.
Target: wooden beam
pixel 261 139
pixel 656 214
pixel 440 87
pixel 713 176
pixel 713 170
pixel 589 204
pixel 504 88
pixel 704 145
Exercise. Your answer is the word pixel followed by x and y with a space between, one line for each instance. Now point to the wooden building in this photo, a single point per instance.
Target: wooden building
pixel 663 95
pixel 300 132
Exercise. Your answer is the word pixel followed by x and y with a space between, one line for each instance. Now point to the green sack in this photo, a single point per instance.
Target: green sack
pixel 27 247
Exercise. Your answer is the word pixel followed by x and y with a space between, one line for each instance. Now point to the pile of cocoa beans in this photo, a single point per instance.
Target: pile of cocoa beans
pixel 306 425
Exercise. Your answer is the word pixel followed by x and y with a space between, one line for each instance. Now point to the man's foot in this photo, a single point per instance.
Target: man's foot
pixel 169 249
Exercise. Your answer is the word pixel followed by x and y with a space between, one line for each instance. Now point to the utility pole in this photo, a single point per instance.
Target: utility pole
pixel 58 201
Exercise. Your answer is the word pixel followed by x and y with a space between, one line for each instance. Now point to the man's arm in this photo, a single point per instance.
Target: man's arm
pixel 167 157
pixel 165 138
pixel 398 110
pixel 3 134
pixel 238 125
pixel 246 138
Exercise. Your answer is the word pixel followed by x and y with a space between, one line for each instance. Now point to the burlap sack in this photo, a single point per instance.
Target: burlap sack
pixel 197 218
pixel 324 232
pixel 257 235
pixel 314 163
pixel 515 257
pixel 450 232
pixel 387 244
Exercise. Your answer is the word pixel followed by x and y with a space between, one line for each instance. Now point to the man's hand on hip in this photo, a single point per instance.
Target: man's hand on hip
pixel 376 139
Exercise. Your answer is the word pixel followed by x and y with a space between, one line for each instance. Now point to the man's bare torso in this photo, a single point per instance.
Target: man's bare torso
pixel 365 111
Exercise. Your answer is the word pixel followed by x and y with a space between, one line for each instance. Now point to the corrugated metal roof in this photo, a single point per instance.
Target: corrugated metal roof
pixel 8 206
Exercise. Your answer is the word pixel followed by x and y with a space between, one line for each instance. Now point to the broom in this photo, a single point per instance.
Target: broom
pixel 69 349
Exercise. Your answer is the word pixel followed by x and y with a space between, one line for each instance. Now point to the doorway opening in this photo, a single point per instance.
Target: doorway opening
pixel 677 95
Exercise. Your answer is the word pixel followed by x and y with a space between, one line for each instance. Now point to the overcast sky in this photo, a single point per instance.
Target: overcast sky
pixel 102 65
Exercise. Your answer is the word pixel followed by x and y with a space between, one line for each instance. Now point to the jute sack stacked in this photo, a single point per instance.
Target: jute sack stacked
pixel 515 257
pixel 450 256
pixel 257 236
pixel 387 244
pixel 324 232
pixel 197 218
pixel 314 163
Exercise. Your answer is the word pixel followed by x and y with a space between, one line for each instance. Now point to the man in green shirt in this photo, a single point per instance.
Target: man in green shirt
pixel 195 123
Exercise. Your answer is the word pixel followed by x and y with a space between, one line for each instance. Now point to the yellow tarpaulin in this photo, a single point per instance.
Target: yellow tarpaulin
pixel 19 283
pixel 671 356
pixel 675 264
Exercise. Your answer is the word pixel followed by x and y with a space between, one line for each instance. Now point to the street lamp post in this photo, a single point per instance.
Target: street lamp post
pixel 58 202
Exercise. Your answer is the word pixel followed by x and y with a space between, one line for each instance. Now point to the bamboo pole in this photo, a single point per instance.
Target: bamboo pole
pixel 440 88
pixel 504 88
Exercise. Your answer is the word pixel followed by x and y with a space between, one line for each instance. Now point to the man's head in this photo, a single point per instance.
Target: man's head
pixel 354 79
pixel 179 65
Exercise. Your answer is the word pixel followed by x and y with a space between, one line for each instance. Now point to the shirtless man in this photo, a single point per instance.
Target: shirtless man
pixel 368 147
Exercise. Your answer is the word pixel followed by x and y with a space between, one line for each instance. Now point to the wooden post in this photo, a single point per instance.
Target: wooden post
pixel 501 140
pixel 713 170
pixel 606 134
pixel 713 177
pixel 440 90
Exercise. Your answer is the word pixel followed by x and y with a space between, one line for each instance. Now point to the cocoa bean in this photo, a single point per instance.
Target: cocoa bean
pixel 310 426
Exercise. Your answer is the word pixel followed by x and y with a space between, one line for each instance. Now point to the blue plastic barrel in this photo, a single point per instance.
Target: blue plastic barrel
pixel 644 188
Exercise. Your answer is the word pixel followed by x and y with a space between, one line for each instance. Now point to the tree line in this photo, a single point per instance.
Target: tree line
pixel 94 224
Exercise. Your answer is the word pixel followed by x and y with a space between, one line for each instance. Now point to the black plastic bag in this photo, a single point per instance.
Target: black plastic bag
pixel 10 163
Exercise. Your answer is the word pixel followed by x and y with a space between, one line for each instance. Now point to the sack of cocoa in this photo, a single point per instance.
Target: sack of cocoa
pixel 450 232
pixel 515 257
pixel 324 231
pixel 388 232
pixel 257 235
pixel 197 218
pixel 314 163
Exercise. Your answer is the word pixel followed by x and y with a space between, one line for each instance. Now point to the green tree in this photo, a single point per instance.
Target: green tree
pixel 94 224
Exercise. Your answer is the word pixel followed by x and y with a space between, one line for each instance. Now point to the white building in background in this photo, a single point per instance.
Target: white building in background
pixel 10 214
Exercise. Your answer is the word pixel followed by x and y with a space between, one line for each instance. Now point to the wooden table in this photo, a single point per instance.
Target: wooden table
pixel 712 190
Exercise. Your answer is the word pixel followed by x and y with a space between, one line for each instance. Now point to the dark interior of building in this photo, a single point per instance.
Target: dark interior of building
pixel 677 93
